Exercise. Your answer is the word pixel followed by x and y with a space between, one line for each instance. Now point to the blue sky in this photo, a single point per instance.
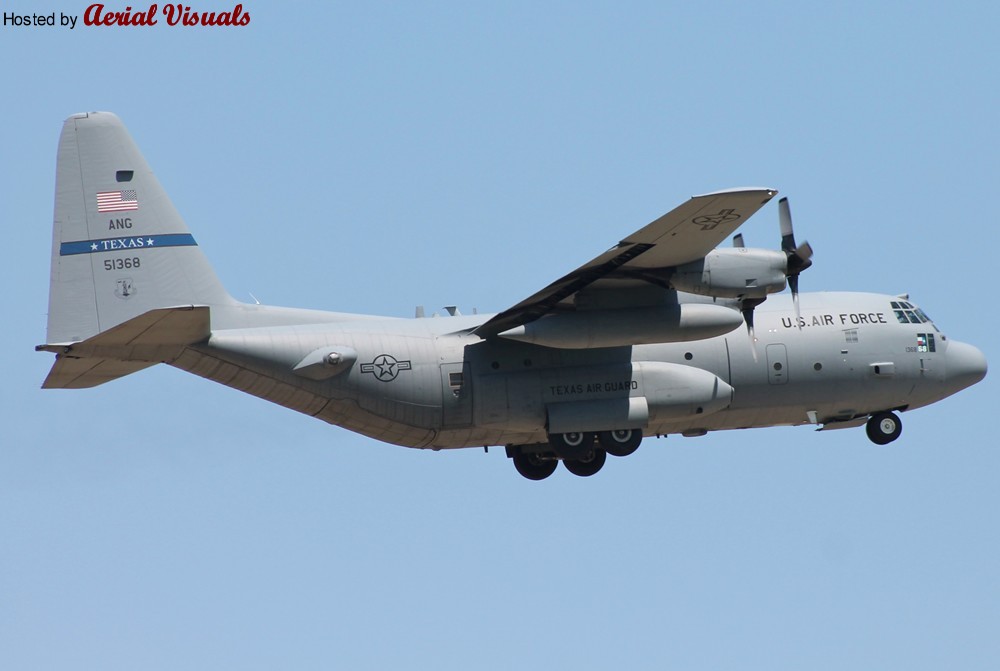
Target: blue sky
pixel 371 157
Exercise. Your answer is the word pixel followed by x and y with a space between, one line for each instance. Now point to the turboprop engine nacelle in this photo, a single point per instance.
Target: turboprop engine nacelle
pixel 738 272
pixel 628 326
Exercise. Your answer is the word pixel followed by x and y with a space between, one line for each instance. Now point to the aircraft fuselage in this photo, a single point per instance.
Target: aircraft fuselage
pixel 429 383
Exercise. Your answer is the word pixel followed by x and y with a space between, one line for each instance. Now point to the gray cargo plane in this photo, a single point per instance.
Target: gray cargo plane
pixel 664 333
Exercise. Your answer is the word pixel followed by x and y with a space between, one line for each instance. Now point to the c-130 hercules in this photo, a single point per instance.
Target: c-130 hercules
pixel 643 340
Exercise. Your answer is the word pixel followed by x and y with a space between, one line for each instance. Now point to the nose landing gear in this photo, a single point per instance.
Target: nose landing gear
pixel 884 427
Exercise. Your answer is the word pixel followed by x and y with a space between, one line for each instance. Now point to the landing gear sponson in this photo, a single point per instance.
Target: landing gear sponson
pixel 583 453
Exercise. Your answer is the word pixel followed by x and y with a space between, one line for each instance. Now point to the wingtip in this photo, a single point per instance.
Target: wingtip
pixel 768 192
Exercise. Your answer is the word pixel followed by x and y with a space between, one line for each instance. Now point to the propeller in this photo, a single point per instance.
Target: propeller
pixel 799 257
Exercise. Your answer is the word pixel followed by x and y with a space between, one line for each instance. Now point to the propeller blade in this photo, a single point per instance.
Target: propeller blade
pixel 785 222
pixel 748 307
pixel 793 284
pixel 748 316
pixel 738 240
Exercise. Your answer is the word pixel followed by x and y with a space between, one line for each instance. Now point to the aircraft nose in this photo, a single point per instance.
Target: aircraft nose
pixel 966 365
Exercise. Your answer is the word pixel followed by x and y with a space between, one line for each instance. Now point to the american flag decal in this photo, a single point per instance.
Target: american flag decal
pixel 117 201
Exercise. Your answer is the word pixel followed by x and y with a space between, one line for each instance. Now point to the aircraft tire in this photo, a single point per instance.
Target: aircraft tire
pixel 589 465
pixel 884 427
pixel 620 443
pixel 573 445
pixel 534 466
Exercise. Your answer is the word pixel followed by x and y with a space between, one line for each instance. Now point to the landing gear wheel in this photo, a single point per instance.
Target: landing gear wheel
pixel 620 443
pixel 535 466
pixel 588 465
pixel 573 445
pixel 884 427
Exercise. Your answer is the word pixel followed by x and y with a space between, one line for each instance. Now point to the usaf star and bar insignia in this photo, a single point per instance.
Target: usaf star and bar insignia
pixel 385 367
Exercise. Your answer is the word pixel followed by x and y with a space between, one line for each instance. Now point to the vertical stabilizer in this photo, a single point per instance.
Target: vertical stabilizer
pixel 119 248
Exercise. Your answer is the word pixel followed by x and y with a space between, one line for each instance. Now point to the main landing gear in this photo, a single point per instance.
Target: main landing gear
pixel 533 465
pixel 582 453
pixel 884 427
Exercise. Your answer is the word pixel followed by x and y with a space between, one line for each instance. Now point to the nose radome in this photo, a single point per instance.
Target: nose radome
pixel 966 365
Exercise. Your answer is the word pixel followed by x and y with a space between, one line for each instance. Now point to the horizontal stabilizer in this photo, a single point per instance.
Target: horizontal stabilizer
pixel 153 337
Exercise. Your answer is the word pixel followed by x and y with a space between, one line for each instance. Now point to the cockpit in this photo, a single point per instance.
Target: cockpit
pixel 908 313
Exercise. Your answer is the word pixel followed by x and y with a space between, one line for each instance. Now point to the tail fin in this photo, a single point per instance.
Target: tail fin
pixel 119 248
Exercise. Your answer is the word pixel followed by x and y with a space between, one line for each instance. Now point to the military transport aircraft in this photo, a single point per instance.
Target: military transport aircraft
pixel 664 333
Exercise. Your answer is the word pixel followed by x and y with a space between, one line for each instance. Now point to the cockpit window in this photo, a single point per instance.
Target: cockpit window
pixel 907 313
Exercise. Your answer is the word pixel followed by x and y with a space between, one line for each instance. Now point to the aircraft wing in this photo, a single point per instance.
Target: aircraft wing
pixel 686 233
